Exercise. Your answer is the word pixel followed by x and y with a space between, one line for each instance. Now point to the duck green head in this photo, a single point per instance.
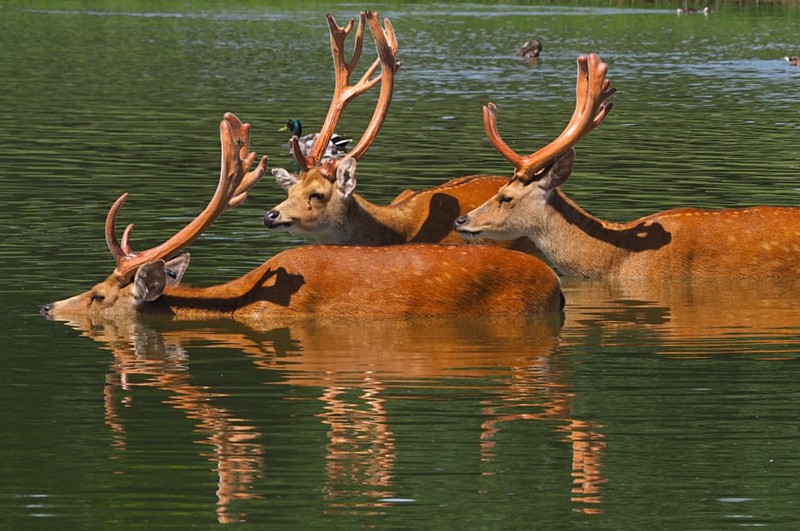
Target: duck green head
pixel 294 127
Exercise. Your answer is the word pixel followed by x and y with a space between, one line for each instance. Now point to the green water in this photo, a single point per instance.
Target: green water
pixel 671 407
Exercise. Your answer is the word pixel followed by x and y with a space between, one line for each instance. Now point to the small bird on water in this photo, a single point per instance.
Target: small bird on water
pixel 530 49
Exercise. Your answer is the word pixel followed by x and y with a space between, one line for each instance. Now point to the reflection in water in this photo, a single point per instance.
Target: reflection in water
pixel 585 439
pixel 360 450
pixel 145 358
pixel 759 318
pixel 355 368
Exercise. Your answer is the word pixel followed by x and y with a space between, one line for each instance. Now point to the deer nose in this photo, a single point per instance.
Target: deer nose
pixel 270 218
pixel 44 310
pixel 460 220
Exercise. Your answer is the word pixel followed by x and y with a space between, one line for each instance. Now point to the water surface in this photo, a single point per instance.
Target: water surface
pixel 649 406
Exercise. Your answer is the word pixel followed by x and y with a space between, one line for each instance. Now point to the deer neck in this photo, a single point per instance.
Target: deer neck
pixel 368 224
pixel 222 300
pixel 579 244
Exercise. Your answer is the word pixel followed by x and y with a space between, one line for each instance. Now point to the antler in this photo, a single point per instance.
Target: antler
pixel 344 92
pixel 592 92
pixel 234 182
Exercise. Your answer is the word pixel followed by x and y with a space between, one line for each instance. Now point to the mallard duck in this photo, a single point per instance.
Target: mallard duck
pixel 530 50
pixel 336 147
pixel 794 61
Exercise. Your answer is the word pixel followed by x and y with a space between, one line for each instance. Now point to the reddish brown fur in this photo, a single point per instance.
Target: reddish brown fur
pixel 319 281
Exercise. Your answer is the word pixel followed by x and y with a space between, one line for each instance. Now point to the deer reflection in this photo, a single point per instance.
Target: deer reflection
pixel 145 358
pixel 360 369
pixel 694 319
pixel 543 388
pixel 356 369
pixel 361 449
pixel 357 366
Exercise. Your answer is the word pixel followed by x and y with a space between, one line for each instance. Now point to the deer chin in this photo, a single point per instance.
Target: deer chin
pixel 471 236
pixel 284 226
pixel 483 235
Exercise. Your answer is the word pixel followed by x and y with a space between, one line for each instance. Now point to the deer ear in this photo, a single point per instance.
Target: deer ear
pixel 346 175
pixel 284 178
pixel 153 277
pixel 175 269
pixel 150 281
pixel 559 171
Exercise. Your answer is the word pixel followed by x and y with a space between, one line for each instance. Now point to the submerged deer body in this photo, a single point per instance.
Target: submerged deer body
pixel 322 203
pixel 330 282
pixel 318 281
pixel 761 241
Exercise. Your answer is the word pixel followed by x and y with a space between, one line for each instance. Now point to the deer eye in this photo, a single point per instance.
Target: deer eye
pixel 316 196
pixel 97 298
pixel 504 199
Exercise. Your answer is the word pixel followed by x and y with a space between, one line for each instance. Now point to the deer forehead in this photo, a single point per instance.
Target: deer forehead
pixel 312 179
pixel 516 188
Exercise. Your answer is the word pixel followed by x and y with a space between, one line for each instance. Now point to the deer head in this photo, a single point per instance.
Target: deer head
pixel 508 214
pixel 141 277
pixel 318 196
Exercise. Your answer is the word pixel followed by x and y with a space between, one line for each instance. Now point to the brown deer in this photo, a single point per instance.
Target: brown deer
pixel 321 202
pixel 317 281
pixel 760 241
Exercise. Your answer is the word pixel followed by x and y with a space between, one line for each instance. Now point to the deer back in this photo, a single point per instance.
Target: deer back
pixel 752 242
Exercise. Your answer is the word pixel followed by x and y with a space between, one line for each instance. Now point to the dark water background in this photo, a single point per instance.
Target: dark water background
pixel 668 407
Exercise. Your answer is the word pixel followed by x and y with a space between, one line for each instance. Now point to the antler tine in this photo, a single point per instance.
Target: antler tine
pixel 357 42
pixel 304 162
pixel 238 176
pixel 607 92
pixel 234 183
pixel 126 240
pixel 596 105
pixel 111 233
pixel 592 92
pixel 490 125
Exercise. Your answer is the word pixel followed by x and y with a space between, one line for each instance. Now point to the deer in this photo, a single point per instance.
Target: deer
pixel 681 243
pixel 321 202
pixel 336 282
